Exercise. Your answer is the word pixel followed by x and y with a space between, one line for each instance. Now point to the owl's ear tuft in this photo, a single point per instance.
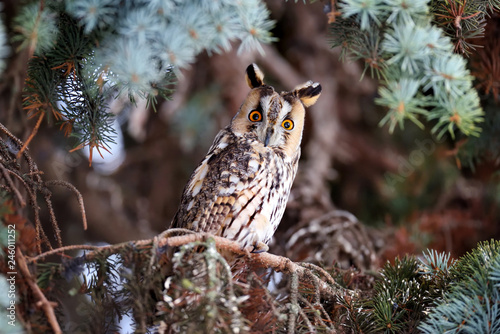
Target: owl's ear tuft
pixel 308 93
pixel 254 76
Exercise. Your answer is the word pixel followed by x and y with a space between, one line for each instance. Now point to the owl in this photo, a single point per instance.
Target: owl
pixel 240 189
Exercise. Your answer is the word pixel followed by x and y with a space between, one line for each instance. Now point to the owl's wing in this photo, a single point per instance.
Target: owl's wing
pixel 226 191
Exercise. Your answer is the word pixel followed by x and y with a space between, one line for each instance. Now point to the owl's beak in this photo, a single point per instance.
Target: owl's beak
pixel 269 134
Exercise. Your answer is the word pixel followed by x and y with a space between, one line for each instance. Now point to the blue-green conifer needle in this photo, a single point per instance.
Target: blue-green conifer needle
pixel 400 99
pixel 365 11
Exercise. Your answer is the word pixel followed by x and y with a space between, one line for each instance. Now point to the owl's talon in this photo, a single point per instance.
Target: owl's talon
pixel 259 247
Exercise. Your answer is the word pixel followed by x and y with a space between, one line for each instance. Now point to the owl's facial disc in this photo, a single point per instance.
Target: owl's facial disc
pixel 275 119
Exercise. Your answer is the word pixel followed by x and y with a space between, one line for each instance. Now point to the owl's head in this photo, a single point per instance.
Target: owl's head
pixel 276 119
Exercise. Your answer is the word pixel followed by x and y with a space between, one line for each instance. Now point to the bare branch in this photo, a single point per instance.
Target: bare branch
pixel 40 233
pixel 328 288
pixel 77 193
pixel 10 135
pixel 62 250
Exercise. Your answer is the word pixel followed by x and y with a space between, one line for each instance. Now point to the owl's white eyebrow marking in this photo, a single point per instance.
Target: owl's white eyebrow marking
pixel 286 109
pixel 264 103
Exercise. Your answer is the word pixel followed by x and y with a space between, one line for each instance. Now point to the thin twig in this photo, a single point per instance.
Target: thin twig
pixel 32 134
pixel 31 186
pixel 322 271
pixel 307 321
pixel 11 185
pixel 19 178
pixel 152 260
pixel 62 250
pixel 34 171
pixel 53 220
pixel 313 308
pixel 40 233
pixel 10 135
pixel 44 238
pixel 32 166
pixel 78 195
pixel 43 302
pixel 294 303
pixel 317 299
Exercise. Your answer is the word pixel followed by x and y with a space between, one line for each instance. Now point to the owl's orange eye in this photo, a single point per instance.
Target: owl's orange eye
pixel 287 124
pixel 255 116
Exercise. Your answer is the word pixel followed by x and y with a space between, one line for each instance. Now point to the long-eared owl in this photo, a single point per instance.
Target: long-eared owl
pixel 240 189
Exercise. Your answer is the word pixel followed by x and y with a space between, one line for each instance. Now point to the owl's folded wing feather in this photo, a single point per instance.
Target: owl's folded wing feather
pixel 224 193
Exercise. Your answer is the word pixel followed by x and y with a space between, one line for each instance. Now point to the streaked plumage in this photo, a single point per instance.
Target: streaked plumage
pixel 240 189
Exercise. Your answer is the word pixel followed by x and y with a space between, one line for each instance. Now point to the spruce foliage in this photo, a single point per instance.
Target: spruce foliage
pixel 398 302
pixel 417 49
pixel 472 302
pixel 434 295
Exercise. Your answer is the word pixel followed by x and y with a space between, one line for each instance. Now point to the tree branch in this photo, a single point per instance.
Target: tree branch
pixel 327 286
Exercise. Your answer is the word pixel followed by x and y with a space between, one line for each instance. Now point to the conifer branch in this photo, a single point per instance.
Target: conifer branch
pixel 409 45
pixel 328 288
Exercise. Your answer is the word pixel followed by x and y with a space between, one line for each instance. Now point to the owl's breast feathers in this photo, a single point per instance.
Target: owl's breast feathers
pixel 239 190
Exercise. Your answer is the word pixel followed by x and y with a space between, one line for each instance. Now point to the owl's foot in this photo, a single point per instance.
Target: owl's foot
pixel 259 247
